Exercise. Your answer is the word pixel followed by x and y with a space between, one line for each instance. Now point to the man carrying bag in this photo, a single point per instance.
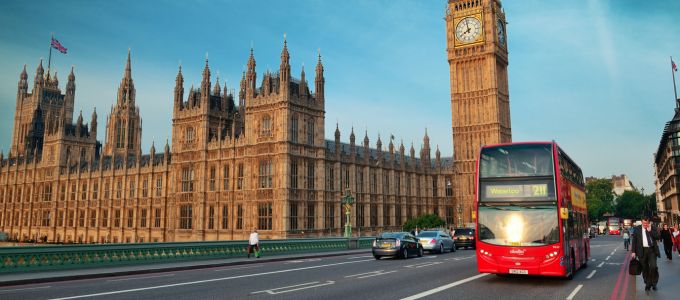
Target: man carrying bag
pixel 645 249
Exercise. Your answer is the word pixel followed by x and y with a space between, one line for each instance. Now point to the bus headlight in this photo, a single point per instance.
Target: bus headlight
pixel 514 229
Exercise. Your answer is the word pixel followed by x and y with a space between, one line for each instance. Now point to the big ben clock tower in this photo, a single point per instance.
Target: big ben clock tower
pixel 480 106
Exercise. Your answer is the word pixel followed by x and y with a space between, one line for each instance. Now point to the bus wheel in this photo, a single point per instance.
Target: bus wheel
pixel 572 263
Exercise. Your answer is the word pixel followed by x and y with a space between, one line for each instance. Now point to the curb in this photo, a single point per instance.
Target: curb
pixel 163 269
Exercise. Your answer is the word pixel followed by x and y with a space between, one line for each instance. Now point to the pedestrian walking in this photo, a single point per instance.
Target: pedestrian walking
pixel 626 239
pixel 667 239
pixel 646 249
pixel 254 243
pixel 676 238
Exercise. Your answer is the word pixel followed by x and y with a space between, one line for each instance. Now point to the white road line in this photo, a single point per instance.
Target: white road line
pixel 600 265
pixel 24 289
pixel 358 257
pixel 376 274
pixel 608 257
pixel 591 274
pixel 238 268
pixel 302 261
pixel 209 280
pixel 462 258
pixel 444 287
pixel 304 286
pixel 416 266
pixel 355 275
pixel 571 296
pixel 612 252
pixel 593 259
pixel 135 278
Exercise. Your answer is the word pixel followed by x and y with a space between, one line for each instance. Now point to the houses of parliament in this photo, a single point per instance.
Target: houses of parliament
pixel 262 163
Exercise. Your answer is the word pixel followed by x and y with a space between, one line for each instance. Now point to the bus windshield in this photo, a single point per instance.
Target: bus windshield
pixel 516 161
pixel 519 224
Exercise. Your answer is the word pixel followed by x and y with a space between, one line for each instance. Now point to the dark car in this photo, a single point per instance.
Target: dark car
pixel 464 237
pixel 396 244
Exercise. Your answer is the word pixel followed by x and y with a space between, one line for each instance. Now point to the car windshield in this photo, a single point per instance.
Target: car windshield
pixel 391 235
pixel 428 234
pixel 519 225
pixel 465 232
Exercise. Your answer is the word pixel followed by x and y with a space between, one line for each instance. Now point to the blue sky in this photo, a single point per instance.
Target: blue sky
pixel 592 75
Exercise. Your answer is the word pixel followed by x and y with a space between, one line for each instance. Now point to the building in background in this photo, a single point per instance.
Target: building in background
pixel 263 163
pixel 621 184
pixel 666 166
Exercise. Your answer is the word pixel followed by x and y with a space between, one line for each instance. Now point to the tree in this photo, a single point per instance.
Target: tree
pixel 631 205
pixel 599 198
pixel 424 221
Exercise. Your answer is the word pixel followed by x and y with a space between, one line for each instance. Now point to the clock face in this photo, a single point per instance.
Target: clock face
pixel 500 30
pixel 468 29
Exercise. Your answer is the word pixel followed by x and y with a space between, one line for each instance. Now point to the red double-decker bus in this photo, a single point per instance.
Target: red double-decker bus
pixel 531 211
pixel 614 225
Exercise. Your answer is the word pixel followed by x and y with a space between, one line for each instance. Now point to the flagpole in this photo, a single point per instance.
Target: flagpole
pixel 49 58
pixel 675 91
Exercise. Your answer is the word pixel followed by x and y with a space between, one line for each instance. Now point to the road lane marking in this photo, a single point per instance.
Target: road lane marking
pixel 593 259
pixel 466 257
pixel 591 274
pixel 571 296
pixel 600 265
pixel 134 278
pixel 209 280
pixel 302 261
pixel 608 257
pixel 358 257
pixel 376 274
pixel 361 274
pixel 302 286
pixel 24 289
pixel 238 268
pixel 416 266
pixel 444 287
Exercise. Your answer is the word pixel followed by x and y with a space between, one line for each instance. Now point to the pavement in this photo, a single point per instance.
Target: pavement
pixel 111 271
pixel 669 274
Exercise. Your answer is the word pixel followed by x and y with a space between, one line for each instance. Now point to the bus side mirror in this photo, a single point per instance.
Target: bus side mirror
pixel 564 213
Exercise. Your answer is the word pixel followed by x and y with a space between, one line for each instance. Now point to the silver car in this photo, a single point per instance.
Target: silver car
pixel 436 240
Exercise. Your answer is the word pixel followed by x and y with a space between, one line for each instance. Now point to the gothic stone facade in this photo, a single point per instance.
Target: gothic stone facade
pixel 262 164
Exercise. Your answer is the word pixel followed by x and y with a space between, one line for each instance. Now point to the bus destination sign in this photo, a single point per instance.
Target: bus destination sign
pixel 517 190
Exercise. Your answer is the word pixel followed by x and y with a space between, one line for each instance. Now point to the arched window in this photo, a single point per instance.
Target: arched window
pixel 266 126
pixel 310 131
pixel 294 129
pixel 189 135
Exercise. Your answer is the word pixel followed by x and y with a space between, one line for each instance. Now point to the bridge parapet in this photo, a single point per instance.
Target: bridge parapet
pixel 55 257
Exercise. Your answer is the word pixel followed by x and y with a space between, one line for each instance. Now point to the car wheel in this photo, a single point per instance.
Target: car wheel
pixel 376 257
pixel 420 251
pixel 404 253
pixel 441 248
pixel 453 247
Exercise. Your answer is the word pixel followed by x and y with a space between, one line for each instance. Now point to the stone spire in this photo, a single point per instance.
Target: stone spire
pixel 22 87
pixel 217 87
pixel 205 82
pixel 337 133
pixel 55 80
pixel 93 124
pixel 319 80
pixel 284 69
pixel 39 73
pixel 251 75
pixel 303 83
pixel 126 90
pixel 71 84
pixel 179 89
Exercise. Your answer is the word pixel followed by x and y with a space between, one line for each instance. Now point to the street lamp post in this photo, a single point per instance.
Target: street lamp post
pixel 460 215
pixel 347 202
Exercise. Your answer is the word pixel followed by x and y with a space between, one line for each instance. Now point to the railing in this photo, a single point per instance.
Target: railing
pixel 23 259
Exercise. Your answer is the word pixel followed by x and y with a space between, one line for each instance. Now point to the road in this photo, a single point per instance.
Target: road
pixel 434 276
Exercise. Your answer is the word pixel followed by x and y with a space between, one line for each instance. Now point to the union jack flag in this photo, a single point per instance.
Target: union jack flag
pixel 58 46
pixel 673 66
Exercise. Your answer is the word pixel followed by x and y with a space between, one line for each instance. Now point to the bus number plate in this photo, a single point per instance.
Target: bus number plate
pixel 517 271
